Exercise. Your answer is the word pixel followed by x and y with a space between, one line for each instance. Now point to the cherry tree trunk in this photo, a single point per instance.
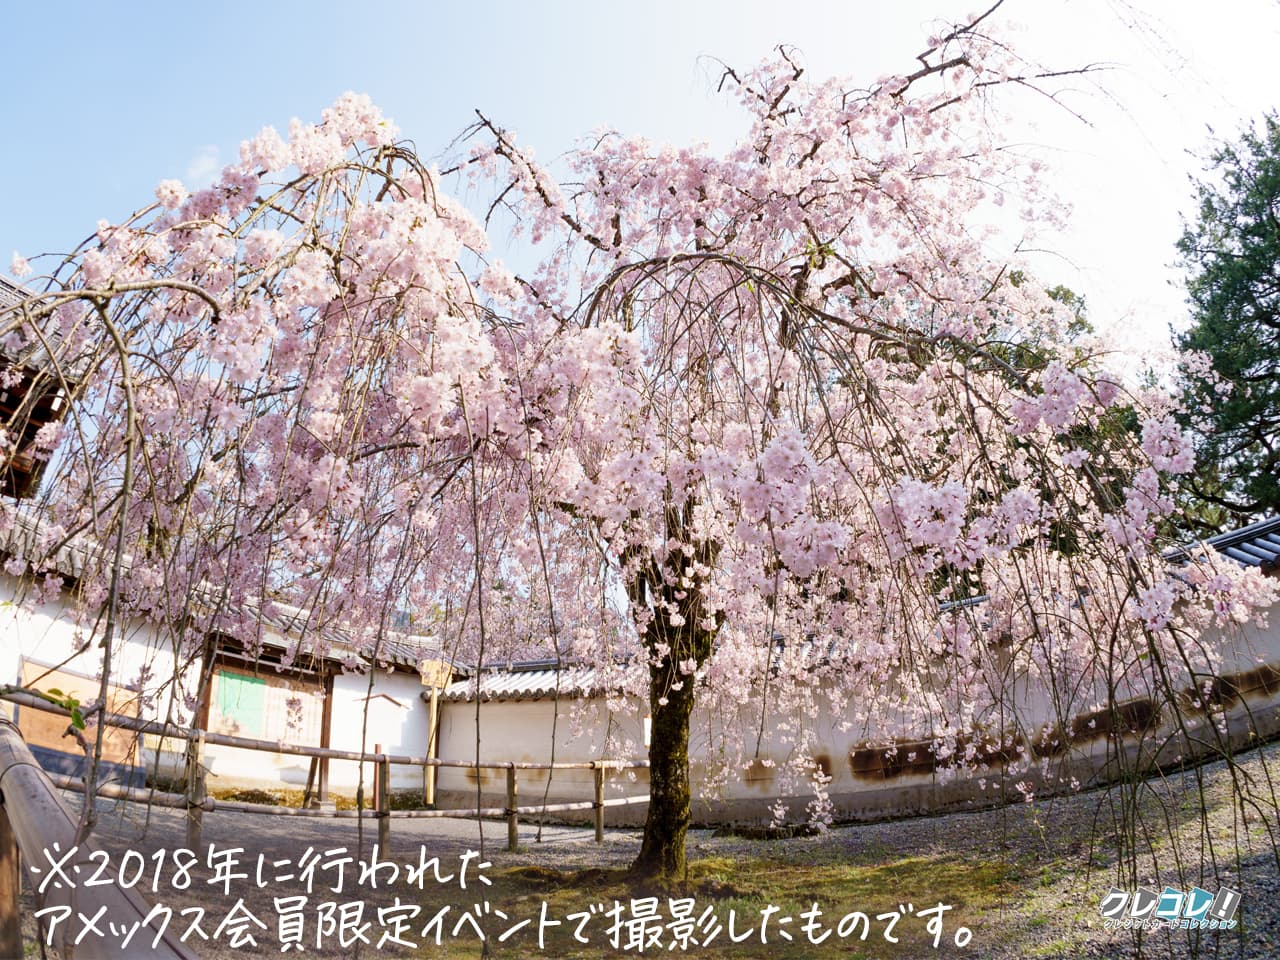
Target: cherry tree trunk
pixel 662 852
pixel 672 683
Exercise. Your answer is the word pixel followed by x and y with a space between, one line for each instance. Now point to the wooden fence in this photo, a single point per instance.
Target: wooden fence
pixel 33 820
pixel 196 801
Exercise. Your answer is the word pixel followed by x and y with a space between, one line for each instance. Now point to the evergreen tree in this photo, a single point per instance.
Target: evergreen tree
pixel 1231 253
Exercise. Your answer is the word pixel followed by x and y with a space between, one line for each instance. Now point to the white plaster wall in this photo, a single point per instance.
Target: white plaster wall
pixel 399 726
pixel 49 635
pixel 397 719
pixel 520 730
pixel 510 730
pixel 141 659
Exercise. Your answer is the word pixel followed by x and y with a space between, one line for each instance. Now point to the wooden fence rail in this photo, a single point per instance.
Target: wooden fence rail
pixel 33 819
pixel 210 804
pixel 196 801
pixel 172 731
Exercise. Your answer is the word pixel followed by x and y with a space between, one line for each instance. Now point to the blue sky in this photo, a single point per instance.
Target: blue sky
pixel 106 99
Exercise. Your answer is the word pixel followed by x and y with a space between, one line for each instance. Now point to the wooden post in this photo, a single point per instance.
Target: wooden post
pixel 322 791
pixel 433 740
pixel 311 779
pixel 513 819
pixel 598 772
pixel 10 890
pixel 383 802
pixel 326 732
pixel 195 791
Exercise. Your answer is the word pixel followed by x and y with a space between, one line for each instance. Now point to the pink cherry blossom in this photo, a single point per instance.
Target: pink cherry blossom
pixel 171 194
pixel 785 397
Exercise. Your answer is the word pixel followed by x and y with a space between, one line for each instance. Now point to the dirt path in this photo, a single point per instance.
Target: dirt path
pixel 1025 880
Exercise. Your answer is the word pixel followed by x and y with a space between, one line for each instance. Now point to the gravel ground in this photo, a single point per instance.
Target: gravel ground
pixel 1065 854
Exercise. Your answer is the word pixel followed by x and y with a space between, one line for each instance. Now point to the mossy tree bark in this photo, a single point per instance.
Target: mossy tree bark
pixel 679 634
pixel 662 850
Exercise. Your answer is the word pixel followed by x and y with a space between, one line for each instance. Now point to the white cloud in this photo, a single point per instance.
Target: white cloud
pixel 203 167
